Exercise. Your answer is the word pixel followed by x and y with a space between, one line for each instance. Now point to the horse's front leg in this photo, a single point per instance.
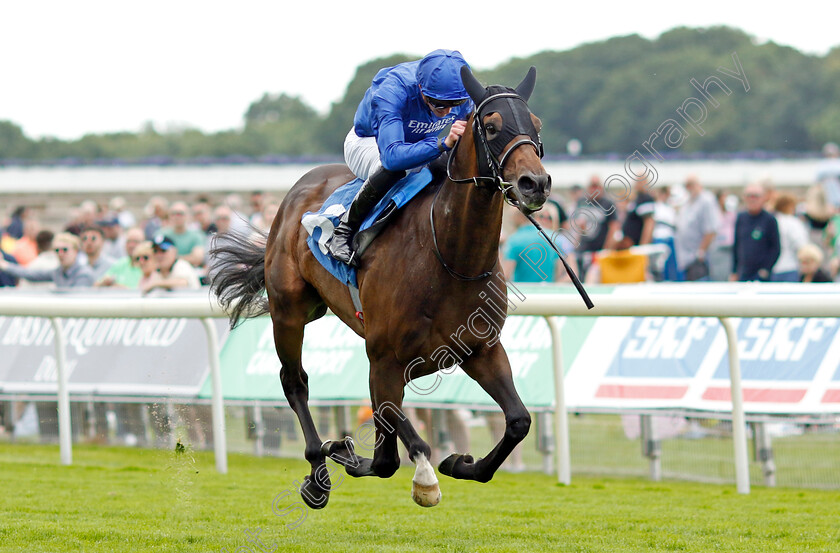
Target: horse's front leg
pixel 387 384
pixel 491 369
pixel 425 489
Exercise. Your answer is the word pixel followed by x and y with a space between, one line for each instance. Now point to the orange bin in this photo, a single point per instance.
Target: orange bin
pixel 622 267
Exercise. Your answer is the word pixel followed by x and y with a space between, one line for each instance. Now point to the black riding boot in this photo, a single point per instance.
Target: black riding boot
pixel 373 189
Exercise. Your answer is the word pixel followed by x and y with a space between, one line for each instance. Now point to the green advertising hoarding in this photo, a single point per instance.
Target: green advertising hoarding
pixel 335 360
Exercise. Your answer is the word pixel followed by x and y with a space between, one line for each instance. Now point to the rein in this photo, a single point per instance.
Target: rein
pixel 455 274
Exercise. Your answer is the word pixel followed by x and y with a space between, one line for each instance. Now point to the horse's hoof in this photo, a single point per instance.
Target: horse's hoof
pixel 425 496
pixel 313 494
pixel 458 466
pixel 363 467
pixel 330 447
pixel 425 490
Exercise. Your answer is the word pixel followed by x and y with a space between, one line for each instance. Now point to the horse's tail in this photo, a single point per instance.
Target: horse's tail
pixel 237 274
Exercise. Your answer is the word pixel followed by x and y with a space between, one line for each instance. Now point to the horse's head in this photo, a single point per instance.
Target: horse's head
pixel 502 123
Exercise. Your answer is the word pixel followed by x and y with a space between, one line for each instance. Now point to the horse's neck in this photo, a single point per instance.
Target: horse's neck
pixel 468 222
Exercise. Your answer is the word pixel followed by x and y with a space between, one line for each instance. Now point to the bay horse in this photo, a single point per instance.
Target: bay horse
pixel 420 282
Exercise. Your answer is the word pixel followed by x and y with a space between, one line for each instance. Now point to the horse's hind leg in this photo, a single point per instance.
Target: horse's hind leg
pixel 288 341
pixel 492 371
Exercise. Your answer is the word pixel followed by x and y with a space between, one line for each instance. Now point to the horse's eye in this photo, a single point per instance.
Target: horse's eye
pixel 491 130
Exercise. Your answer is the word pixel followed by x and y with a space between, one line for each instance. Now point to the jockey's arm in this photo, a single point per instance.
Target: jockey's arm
pixel 395 153
pixel 398 155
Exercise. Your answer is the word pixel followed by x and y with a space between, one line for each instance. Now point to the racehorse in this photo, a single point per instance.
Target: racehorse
pixel 422 284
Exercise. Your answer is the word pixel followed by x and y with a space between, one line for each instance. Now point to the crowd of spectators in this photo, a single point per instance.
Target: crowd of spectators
pixel 652 231
pixel 659 232
pixel 108 246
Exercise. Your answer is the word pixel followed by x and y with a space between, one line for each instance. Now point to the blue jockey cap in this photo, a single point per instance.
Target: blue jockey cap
pixel 439 75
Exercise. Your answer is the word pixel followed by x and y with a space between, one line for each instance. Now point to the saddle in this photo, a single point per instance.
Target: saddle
pixel 320 224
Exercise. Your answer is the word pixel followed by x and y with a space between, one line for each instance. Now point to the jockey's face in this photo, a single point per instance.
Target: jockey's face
pixel 437 111
pixel 441 108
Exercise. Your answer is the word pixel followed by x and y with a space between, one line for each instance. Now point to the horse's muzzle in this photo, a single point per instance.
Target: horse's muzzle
pixel 532 190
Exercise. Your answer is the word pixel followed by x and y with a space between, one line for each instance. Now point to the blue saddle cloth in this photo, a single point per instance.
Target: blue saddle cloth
pixel 320 225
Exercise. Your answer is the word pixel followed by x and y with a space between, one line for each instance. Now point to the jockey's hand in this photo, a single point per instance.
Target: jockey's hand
pixel 455 133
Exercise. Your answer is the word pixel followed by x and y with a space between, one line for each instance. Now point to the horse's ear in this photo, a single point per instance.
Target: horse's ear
pixel 471 84
pixel 526 87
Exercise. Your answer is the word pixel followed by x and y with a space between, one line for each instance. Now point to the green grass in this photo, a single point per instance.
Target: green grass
pixel 599 447
pixel 117 499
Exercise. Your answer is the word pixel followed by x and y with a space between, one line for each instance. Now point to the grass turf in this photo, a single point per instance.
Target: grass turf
pixel 117 499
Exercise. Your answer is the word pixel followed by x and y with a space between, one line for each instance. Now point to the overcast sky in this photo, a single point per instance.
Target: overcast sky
pixel 73 67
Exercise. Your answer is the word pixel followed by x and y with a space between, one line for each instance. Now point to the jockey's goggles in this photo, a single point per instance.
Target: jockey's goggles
pixel 444 104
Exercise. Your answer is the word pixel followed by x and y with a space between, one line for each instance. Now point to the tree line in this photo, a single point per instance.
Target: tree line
pixel 610 95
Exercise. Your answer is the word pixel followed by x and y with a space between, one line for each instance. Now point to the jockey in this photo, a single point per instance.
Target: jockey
pixel 396 129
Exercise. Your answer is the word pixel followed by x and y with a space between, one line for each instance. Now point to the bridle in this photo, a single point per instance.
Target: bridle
pixel 490 166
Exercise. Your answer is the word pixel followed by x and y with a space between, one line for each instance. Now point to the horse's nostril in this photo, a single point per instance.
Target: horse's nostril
pixel 527 185
pixel 534 184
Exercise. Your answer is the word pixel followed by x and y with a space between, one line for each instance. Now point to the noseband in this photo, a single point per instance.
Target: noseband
pixel 490 167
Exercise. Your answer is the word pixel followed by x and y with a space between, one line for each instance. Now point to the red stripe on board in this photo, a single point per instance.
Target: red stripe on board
pixel 641 392
pixel 759 395
pixel 831 396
